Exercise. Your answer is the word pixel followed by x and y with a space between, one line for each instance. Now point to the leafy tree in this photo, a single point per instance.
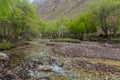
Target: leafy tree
pixel 5 7
pixel 57 29
pixel 112 23
pixel 102 10
pixel 22 19
pixel 77 28
pixel 62 27
pixel 83 24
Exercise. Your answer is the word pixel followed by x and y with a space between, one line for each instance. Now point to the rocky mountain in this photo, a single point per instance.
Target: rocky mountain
pixel 53 9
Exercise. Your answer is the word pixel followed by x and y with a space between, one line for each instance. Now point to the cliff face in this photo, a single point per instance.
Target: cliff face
pixel 53 9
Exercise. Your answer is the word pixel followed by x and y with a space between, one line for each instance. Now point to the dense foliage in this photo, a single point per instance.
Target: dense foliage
pixel 107 14
pixel 18 19
pixel 101 19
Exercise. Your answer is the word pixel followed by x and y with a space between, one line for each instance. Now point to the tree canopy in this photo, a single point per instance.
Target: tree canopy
pixel 18 18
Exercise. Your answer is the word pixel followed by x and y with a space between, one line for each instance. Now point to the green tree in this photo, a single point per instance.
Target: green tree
pixel 62 27
pixel 5 7
pixel 102 9
pixel 57 29
pixel 83 24
pixel 21 20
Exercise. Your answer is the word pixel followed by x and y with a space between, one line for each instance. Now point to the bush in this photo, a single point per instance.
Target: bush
pixel 30 39
pixel 66 40
pixel 5 45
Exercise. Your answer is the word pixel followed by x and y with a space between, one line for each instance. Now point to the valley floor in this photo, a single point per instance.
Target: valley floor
pixel 45 60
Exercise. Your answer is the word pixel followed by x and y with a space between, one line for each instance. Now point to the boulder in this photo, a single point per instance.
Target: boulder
pixel 107 45
pixel 3 56
pixel 45 68
pixel 50 44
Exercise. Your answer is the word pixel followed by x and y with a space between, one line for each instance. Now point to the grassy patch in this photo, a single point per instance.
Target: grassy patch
pixel 116 39
pixel 30 39
pixel 5 45
pixel 66 40
pixel 58 77
pixel 103 61
pixel 18 43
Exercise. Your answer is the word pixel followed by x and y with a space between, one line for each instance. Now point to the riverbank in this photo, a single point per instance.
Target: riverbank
pixel 7 45
pixel 47 60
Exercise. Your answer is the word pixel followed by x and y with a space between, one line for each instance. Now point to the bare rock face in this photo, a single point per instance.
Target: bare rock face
pixel 53 9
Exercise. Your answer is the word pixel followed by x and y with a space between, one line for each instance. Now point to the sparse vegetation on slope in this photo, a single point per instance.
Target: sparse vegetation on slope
pixel 53 9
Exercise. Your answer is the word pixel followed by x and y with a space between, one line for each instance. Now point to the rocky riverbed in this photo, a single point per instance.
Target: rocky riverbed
pixel 91 50
pixel 44 60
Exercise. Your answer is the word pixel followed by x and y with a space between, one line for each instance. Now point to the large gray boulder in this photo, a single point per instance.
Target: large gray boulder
pixel 4 56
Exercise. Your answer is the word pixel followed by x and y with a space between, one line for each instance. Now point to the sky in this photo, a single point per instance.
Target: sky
pixel 31 0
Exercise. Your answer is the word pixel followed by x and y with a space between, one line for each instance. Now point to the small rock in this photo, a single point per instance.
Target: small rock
pixel 1 76
pixel 9 77
pixel 107 45
pixel 45 68
pixel 50 44
pixel 57 69
pixel 37 74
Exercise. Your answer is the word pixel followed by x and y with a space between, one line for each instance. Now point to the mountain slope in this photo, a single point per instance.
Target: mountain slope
pixel 53 9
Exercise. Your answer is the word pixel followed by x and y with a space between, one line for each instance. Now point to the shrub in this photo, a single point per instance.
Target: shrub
pixel 5 45
pixel 66 40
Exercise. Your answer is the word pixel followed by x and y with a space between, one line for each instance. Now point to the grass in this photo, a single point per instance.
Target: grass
pixel 30 39
pixel 58 77
pixel 82 74
pixel 86 74
pixel 5 45
pixel 8 45
pixel 66 40
pixel 103 61
pixel 116 39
